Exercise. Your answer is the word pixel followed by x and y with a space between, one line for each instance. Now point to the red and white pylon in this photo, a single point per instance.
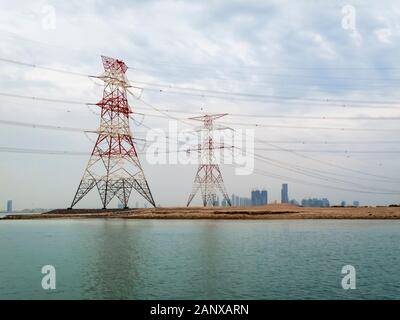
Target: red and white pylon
pixel 114 167
pixel 208 177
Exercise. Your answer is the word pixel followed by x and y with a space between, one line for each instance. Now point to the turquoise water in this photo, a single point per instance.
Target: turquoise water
pixel 199 259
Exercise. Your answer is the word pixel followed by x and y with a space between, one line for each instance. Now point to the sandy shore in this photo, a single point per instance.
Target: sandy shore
pixel 273 211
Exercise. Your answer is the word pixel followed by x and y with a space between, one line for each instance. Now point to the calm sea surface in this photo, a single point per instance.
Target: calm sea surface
pixel 189 259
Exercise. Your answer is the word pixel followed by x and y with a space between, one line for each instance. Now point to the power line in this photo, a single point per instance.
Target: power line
pixel 274 97
pixel 49 127
pixel 269 174
pixel 44 67
pixel 334 165
pixel 281 116
pixel 165 113
pixel 11 95
pixel 218 93
pixel 42 126
pixel 330 151
pixel 62 128
pixel 274 75
pixel 313 173
pixel 212 67
pixel 310 127
pixel 303 182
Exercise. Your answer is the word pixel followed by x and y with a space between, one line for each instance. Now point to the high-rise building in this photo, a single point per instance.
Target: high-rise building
pixel 259 198
pixel 255 198
pixel 320 203
pixel 264 197
pixel 9 206
pixel 284 193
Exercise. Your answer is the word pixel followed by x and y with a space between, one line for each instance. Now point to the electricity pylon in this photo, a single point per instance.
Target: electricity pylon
pixel 208 177
pixel 114 167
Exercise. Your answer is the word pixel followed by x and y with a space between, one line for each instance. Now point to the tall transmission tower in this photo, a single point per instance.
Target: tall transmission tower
pixel 114 167
pixel 208 177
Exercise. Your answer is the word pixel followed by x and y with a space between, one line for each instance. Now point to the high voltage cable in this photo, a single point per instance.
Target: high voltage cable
pixel 309 127
pixel 281 116
pixel 165 112
pixel 334 165
pixel 303 182
pixel 79 153
pixel 329 151
pixel 155 108
pixel 49 127
pixel 314 173
pixel 280 75
pixel 240 94
pixel 44 67
pixel 310 173
pixel 62 128
pixel 323 103
pixel 289 98
pixel 42 126
pixel 297 127
pixel 210 66
pixel 327 142
pixel 11 95
pixel 60 152
pixel 253 73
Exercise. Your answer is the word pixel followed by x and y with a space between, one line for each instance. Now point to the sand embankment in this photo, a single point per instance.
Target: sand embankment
pixel 273 211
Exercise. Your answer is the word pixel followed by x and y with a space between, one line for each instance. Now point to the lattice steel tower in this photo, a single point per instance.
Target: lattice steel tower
pixel 208 177
pixel 114 167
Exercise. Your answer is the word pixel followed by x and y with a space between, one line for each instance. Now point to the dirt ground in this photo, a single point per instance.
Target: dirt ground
pixel 272 211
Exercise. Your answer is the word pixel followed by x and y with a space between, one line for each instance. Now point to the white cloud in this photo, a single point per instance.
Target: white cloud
pixel 384 35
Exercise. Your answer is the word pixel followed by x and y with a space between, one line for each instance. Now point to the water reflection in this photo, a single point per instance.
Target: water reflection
pixel 116 273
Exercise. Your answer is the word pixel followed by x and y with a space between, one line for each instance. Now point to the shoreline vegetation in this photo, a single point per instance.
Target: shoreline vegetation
pixel 268 212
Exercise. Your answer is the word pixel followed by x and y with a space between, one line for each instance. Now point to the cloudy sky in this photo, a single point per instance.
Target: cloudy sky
pixel 320 67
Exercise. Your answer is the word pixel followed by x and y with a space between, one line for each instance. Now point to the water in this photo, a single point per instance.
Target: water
pixel 199 259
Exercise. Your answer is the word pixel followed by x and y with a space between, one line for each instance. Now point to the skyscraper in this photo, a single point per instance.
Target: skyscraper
pixel 257 198
pixel 320 203
pixel 284 193
pixel 264 197
pixel 9 206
